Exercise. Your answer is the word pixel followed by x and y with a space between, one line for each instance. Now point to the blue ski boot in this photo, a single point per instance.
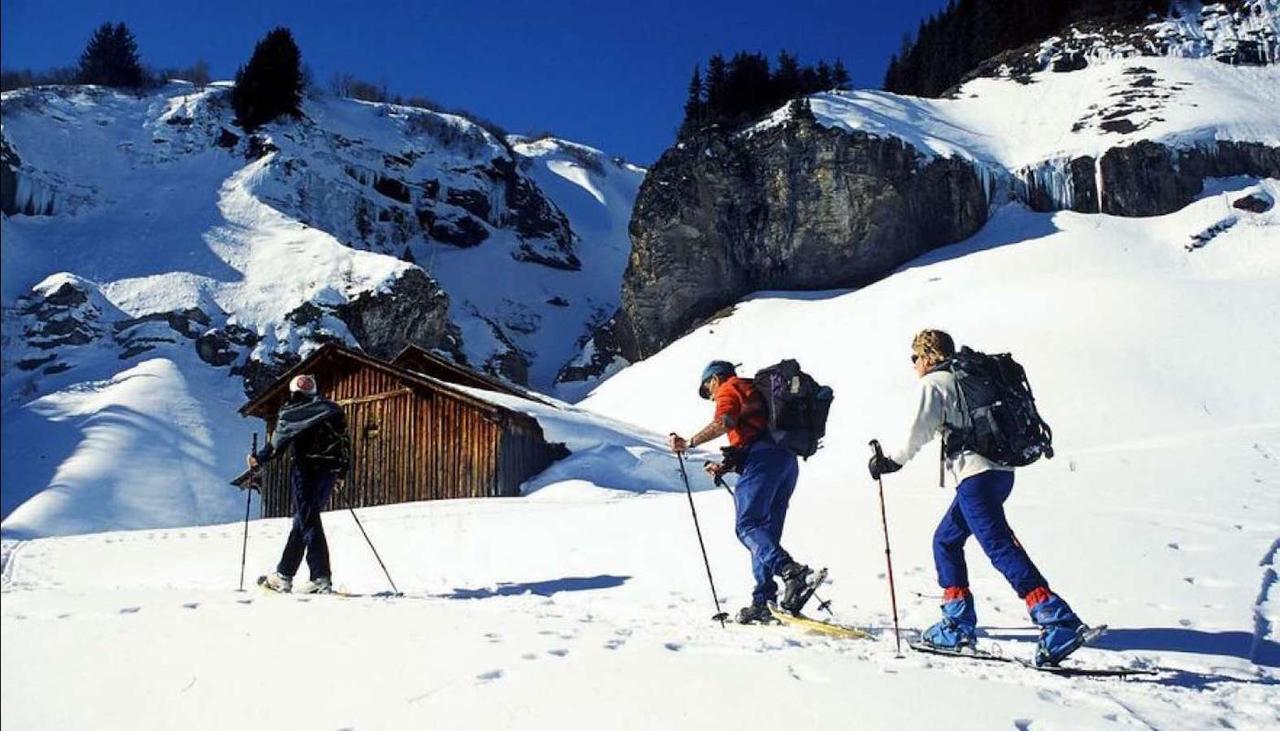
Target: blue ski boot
pixel 959 625
pixel 1061 631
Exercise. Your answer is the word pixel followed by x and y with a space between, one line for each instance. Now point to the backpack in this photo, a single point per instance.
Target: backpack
pixel 1003 424
pixel 326 446
pixel 797 406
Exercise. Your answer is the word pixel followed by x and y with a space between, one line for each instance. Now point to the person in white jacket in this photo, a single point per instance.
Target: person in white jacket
pixel 978 510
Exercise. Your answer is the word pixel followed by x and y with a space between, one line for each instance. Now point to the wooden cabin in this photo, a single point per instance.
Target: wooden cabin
pixel 416 433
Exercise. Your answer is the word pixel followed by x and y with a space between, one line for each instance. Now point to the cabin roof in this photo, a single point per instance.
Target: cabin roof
pixel 412 352
pixel 331 352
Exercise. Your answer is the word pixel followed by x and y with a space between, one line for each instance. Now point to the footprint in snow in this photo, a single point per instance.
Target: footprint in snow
pixel 614 644
pixel 673 646
pixel 1174 546
pixel 191 605
pixel 558 652
pixel 130 610
pixel 489 676
pixel 528 656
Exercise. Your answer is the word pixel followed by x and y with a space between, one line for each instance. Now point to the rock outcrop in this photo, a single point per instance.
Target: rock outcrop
pixel 791 206
pixel 1143 179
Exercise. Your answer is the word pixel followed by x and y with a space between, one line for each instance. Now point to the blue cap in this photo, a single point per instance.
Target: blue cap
pixel 714 368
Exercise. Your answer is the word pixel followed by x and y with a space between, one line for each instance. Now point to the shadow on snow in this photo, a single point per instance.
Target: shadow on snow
pixel 546 588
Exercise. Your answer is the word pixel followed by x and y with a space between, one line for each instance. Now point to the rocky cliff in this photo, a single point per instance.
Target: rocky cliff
pixel 793 206
pixel 842 189
pixel 374 224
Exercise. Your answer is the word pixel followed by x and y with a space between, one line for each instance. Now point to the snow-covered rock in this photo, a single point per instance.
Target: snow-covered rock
pixel 150 227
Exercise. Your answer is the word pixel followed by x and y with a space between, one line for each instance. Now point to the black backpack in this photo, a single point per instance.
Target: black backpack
pixel 326 446
pixel 1003 423
pixel 797 406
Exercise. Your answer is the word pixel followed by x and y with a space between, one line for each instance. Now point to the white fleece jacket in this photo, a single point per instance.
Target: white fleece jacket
pixel 938 411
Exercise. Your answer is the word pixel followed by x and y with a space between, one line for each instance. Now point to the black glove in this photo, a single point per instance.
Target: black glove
pixel 881 465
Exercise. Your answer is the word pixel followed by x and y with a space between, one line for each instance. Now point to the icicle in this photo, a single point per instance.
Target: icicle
pixel 33 197
pixel 1097 180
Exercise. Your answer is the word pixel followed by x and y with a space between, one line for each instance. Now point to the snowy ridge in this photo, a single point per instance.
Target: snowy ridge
pixel 1059 115
pixel 1014 132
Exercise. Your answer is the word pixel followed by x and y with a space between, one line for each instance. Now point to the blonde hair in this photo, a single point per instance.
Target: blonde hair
pixel 934 346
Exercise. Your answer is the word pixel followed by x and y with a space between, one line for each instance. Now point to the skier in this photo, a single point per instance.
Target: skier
pixel 314 429
pixel 769 474
pixel 978 510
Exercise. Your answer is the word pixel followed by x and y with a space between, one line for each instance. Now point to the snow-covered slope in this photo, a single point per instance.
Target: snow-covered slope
pixel 1152 356
pixel 1036 129
pixel 151 233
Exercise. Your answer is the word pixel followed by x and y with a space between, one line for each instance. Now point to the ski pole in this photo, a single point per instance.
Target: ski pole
pixel 375 551
pixel 888 555
pixel 719 480
pixel 248 496
pixel 719 615
pixel 360 525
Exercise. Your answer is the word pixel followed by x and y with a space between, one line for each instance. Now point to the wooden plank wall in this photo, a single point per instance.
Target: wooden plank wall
pixel 407 445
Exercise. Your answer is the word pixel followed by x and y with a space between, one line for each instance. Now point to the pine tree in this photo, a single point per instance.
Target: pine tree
pixel 787 80
pixel 717 83
pixel 270 85
pixel 840 75
pixel 110 58
pixel 825 81
pixel 694 105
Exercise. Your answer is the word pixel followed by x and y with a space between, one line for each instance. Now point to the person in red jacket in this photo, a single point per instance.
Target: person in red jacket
pixel 769 473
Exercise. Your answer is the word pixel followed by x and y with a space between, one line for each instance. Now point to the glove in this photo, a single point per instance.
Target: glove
pixel 880 465
pixel 677 443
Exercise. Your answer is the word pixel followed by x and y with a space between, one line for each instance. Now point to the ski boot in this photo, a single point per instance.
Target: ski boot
pixel 757 613
pixel 1061 631
pixel 277 582
pixel 799 588
pixel 322 585
pixel 959 626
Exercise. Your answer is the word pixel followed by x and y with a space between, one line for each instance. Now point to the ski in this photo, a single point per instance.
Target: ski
pixel 971 653
pixel 1070 671
pixel 974 653
pixel 831 629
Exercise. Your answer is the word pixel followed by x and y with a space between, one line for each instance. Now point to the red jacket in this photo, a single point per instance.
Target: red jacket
pixel 741 409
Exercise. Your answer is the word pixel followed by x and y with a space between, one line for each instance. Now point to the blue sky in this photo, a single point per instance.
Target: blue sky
pixel 612 75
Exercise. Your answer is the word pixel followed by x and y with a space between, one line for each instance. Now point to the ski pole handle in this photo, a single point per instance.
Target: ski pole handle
pixel 875 445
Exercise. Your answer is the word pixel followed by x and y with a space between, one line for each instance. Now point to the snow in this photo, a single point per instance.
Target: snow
pixel 147 412
pixel 582 607
pixel 1001 122
pixel 584 604
pixel 150 216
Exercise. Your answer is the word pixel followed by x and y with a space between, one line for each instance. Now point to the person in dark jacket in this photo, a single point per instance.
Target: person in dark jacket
pixel 313 429
pixel 769 473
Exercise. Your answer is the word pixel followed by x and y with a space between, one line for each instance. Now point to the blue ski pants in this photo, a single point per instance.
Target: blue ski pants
pixel 311 491
pixel 978 510
pixel 760 500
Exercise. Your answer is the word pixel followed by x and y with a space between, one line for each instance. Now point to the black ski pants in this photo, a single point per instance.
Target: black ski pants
pixel 311 492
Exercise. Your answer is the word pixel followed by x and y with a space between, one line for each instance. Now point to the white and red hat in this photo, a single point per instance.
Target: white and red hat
pixel 303 384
